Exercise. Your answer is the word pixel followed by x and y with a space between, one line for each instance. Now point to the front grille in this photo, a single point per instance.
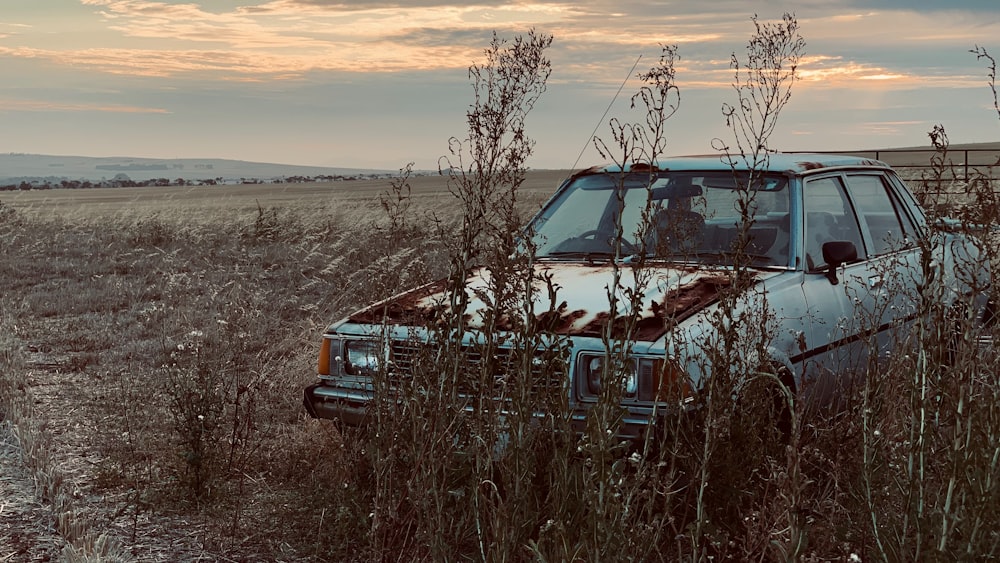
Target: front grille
pixel 499 373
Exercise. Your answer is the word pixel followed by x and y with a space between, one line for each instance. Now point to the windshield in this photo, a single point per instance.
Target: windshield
pixel 681 216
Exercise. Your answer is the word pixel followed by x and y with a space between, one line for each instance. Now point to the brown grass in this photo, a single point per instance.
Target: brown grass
pixel 103 288
pixel 230 200
pixel 154 344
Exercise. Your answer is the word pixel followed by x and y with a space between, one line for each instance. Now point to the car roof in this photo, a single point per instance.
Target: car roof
pixel 784 163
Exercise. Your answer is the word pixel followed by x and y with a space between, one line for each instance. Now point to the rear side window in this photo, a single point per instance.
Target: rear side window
pixel 890 228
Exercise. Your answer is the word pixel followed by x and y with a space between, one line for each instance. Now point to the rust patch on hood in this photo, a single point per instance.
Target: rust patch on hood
pixel 676 305
pixel 688 299
pixel 410 308
pixel 682 300
pixel 560 320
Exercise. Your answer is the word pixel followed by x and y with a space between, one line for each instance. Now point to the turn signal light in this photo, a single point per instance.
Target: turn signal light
pixel 323 366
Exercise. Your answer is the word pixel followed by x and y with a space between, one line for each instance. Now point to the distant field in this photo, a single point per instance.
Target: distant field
pixel 918 158
pixel 205 204
pixel 15 166
pixel 155 343
pixel 913 163
pixel 426 190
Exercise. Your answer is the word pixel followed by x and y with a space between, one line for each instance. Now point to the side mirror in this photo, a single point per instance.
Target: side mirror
pixel 835 253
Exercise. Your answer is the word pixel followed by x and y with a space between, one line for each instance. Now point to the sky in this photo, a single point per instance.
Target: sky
pixel 380 83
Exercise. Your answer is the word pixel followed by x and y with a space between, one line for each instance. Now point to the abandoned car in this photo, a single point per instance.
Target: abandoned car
pixel 829 244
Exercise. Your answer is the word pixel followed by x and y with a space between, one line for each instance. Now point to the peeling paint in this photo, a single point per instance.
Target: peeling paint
pixel 682 291
pixel 788 163
pixel 684 301
pixel 410 308
pixel 806 165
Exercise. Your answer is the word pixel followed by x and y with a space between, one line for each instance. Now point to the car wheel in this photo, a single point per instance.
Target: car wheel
pixel 766 399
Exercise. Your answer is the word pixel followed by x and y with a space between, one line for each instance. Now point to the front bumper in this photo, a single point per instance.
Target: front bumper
pixel 322 402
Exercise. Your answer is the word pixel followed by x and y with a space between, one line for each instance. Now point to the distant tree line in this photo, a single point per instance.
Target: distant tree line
pixel 123 181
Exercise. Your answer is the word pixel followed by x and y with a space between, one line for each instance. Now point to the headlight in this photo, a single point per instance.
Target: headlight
pixel 361 357
pixel 338 357
pixel 645 379
pixel 594 369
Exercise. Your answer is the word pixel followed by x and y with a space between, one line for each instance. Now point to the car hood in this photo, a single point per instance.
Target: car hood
pixel 580 305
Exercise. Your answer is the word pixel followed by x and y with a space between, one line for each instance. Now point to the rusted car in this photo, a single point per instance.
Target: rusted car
pixel 830 245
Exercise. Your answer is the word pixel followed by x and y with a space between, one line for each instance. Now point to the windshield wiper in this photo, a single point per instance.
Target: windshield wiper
pixel 588 256
pixel 578 254
pixel 591 257
pixel 728 256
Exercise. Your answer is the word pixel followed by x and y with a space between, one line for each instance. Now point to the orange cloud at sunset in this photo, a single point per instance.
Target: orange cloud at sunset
pixel 366 80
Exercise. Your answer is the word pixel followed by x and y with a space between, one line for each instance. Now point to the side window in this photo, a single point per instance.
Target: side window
pixel 902 195
pixel 829 217
pixel 889 227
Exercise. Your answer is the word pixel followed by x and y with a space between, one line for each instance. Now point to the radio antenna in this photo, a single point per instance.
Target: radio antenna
pixel 601 120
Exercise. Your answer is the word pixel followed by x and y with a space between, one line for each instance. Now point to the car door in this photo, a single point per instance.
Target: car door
pixel 885 297
pixel 858 315
pixel 832 345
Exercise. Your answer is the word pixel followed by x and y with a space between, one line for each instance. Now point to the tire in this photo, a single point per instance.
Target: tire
pixel 768 399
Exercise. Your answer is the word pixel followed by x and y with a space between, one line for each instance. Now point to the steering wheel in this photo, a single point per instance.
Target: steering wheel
pixel 592 234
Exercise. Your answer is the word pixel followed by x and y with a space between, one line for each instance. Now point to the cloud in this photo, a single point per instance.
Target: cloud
pixel 260 60
pixel 48 106
pixel 934 5
pixel 596 40
pixel 286 5
pixel 229 66
pixel 8 29
pixel 889 128
pixel 289 39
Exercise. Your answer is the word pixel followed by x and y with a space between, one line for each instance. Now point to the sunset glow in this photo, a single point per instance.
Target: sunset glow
pixel 378 83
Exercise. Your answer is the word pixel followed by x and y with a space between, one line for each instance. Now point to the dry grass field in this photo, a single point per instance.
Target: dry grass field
pixel 120 304
pixel 154 344
pixel 227 201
